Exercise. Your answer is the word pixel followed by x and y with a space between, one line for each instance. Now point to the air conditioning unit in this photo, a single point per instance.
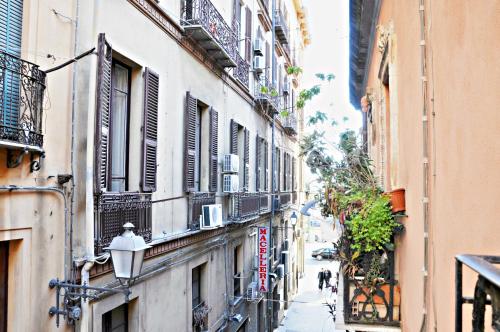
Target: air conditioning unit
pixel 252 293
pixel 285 259
pixel 231 163
pixel 280 271
pixel 231 183
pixel 258 64
pixel 211 216
pixel 258 47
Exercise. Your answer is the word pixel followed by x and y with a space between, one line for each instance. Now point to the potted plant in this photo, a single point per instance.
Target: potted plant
pixel 398 202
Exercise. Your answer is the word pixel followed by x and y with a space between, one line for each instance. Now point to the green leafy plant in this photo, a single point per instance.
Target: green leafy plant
pixel 294 70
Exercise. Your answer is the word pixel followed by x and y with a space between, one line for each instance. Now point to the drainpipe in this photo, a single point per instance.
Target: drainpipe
pixel 425 162
pixel 85 305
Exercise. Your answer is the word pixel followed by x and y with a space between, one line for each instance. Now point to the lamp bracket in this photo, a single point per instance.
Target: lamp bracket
pixel 72 294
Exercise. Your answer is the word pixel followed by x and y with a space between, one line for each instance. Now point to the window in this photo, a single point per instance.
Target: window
pixel 116 320
pixel 200 146
pixel 4 278
pixel 198 298
pixel 119 126
pixel 237 268
pixel 261 149
pixel 196 286
pixel 240 145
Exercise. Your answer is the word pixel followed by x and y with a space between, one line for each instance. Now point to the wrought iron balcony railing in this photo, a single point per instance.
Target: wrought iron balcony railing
pixel 281 27
pixel 22 85
pixel 266 97
pixel 289 123
pixel 242 70
pixel 376 301
pixel 196 202
pixel 206 25
pixel 246 205
pixel 113 210
pixel 264 203
pixel 285 199
pixel 487 290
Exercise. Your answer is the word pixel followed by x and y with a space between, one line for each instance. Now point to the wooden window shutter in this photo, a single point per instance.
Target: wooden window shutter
pixel 190 142
pixel 233 137
pixel 278 169
pixel 285 171
pixel 268 61
pixel 248 34
pixel 294 164
pixel 214 150
pixel 246 160
pixel 258 169
pixel 266 163
pixel 103 109
pixel 150 130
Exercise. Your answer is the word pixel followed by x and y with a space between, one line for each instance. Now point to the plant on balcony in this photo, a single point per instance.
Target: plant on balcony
pixel 200 315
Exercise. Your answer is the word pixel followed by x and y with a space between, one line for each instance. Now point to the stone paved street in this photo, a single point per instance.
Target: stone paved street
pixel 308 313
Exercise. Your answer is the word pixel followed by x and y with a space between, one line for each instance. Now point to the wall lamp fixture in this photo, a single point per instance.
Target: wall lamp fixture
pixel 127 254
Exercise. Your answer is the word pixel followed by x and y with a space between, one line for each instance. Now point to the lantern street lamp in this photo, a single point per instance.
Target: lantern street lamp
pixel 127 254
pixel 293 219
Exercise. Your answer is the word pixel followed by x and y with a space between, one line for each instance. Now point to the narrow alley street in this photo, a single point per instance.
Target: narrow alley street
pixel 307 312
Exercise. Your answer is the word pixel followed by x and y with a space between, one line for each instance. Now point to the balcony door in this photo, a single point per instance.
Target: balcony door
pixel 120 126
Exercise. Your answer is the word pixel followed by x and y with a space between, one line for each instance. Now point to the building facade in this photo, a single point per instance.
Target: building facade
pixel 425 76
pixel 145 112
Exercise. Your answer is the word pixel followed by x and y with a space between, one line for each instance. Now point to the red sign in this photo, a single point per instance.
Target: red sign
pixel 263 271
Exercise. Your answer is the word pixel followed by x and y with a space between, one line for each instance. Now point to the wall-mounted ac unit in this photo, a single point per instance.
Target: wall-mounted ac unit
pixel 231 183
pixel 252 293
pixel 258 64
pixel 211 216
pixel 231 163
pixel 280 271
pixel 258 47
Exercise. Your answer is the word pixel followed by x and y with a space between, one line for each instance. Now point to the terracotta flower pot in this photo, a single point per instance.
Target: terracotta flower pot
pixel 398 200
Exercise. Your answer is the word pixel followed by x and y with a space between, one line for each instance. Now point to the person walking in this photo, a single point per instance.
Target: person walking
pixel 321 277
pixel 327 276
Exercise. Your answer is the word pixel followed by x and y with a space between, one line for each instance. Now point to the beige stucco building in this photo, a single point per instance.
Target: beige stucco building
pixel 137 130
pixel 429 73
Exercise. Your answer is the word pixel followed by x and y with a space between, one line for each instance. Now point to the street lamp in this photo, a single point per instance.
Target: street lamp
pixel 293 219
pixel 127 254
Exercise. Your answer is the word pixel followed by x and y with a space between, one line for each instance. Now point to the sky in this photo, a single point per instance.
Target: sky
pixel 328 52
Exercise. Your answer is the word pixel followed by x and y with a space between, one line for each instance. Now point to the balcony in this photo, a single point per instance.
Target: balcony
pixel 281 27
pixel 242 70
pixel 22 85
pixel 202 22
pixel 487 291
pixel 244 206
pixel 113 210
pixel 266 99
pixel 264 203
pixel 196 202
pixel 289 123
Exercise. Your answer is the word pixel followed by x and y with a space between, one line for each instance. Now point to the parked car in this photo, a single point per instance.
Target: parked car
pixel 324 253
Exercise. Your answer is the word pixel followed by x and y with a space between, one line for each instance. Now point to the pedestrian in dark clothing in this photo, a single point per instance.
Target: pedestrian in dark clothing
pixel 328 276
pixel 321 277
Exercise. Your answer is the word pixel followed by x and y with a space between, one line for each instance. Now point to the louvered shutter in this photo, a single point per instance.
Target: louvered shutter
pixel 258 169
pixel 150 130
pixel 246 160
pixel 268 61
pixel 214 150
pixel 266 163
pixel 103 109
pixel 285 164
pixel 278 169
pixel 11 25
pixel 294 165
pixel 233 137
pixel 190 142
pixel 248 35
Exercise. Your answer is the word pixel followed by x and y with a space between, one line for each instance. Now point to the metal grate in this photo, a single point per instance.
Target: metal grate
pixel 242 70
pixel 196 202
pixel 113 210
pixel 22 85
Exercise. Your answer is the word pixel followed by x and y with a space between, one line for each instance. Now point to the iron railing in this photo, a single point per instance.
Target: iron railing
pixel 22 85
pixel 264 202
pixel 196 202
pixel 281 27
pixel 200 316
pixel 289 123
pixel 204 14
pixel 113 210
pixel 486 292
pixel 285 199
pixel 266 96
pixel 246 205
pixel 242 70
pixel 373 302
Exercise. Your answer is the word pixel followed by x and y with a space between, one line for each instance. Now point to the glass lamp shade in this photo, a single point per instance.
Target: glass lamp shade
pixel 293 219
pixel 127 253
